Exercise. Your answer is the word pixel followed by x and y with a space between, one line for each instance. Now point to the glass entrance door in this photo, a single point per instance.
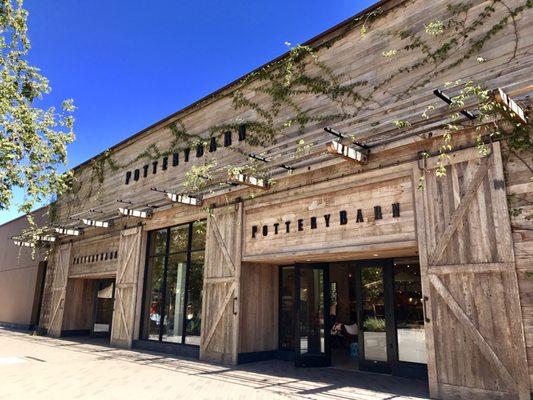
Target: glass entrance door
pixel 312 315
pixel 366 315
pixel 376 320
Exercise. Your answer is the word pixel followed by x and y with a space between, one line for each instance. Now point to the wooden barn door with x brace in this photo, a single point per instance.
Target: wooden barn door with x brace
pixel 129 252
pixel 222 270
pixel 474 329
pixel 59 289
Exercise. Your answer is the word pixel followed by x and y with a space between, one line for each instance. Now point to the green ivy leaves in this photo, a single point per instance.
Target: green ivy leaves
pixel 33 141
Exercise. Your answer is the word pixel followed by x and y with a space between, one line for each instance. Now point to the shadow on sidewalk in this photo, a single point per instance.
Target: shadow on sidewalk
pixel 280 377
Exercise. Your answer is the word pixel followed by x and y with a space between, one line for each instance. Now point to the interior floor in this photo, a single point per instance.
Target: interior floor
pixel 340 358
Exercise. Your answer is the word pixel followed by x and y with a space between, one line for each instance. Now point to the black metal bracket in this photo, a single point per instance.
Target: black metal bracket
pixel 263 159
pixel 444 97
pixel 256 157
pixel 364 147
pixel 125 201
pixel 287 167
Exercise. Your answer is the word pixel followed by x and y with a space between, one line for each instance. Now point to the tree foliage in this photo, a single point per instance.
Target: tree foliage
pixel 33 140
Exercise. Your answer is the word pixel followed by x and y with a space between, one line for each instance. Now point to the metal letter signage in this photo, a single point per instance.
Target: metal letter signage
pixel 343 220
pixel 346 217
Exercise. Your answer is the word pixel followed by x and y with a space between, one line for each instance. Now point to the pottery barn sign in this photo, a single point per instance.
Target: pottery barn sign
pixel 374 213
pixel 343 219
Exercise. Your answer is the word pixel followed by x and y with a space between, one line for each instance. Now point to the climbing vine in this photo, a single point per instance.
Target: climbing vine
pixel 283 86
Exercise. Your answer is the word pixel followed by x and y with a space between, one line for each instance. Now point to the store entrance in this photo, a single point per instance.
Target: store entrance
pixel 103 307
pixel 360 315
pixel 312 315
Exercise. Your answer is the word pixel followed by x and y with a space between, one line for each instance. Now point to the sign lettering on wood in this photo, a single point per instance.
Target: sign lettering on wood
pixel 372 214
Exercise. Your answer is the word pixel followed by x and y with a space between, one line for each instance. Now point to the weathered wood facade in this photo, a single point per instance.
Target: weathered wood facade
pixel 475 261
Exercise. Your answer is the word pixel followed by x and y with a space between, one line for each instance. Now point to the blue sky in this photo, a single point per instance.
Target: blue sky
pixel 130 63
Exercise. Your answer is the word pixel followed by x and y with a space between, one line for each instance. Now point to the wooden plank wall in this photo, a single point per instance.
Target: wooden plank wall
pixel 95 257
pixel 519 181
pixel 349 195
pixel 79 304
pixel 356 59
pixel 259 308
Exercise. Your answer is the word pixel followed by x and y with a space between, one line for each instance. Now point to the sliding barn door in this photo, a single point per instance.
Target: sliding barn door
pixel 129 252
pixel 220 319
pixel 475 334
pixel 59 289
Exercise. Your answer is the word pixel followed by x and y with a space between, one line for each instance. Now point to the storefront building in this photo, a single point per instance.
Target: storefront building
pixel 206 237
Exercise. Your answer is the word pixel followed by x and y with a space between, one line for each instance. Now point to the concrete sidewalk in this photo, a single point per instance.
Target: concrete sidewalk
pixel 33 367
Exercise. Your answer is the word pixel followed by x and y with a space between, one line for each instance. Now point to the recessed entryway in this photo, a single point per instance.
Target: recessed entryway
pixel 361 315
pixel 103 307
pixel 88 307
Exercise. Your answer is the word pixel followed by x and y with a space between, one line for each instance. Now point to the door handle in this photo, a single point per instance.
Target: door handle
pixel 424 310
pixel 234 304
pixel 62 304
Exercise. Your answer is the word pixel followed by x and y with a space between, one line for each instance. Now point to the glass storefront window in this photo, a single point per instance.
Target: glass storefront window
pixel 198 235
pixel 174 283
pixel 193 311
pixel 158 242
pixel 374 323
pixel 409 313
pixel 312 323
pixel 175 298
pixel 154 288
pixel 179 238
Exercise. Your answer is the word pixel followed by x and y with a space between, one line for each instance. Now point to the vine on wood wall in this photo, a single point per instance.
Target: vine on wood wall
pixel 282 84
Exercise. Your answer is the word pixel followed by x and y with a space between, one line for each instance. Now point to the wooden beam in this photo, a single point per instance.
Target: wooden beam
pixel 134 213
pixel 41 238
pixel 46 238
pixel 95 223
pixel 23 244
pixel 183 199
pixel 68 231
pixel 249 180
pixel 479 268
pixel 340 150
pixel 515 111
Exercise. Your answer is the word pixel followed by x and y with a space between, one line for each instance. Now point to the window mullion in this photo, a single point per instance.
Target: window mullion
pixel 186 294
pixel 164 289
